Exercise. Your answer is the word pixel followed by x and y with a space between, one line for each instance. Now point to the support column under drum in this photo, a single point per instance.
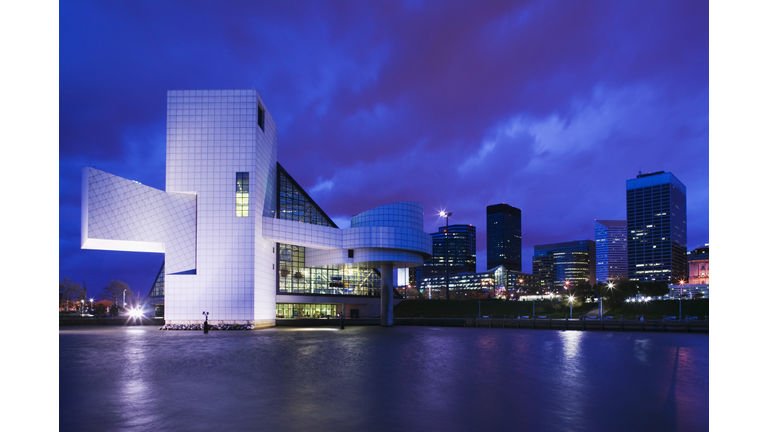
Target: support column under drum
pixel 387 278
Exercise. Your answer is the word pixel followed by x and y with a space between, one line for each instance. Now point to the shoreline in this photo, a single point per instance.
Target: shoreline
pixel 538 323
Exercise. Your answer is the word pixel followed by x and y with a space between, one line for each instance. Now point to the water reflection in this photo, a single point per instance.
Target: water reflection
pixel 571 344
pixel 369 378
pixel 573 377
pixel 642 346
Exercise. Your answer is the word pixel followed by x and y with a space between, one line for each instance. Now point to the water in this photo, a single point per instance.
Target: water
pixel 381 379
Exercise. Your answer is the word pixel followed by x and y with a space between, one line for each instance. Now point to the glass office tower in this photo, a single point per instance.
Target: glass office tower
pixel 656 228
pixel 611 250
pixel 505 247
pixel 454 247
pixel 571 262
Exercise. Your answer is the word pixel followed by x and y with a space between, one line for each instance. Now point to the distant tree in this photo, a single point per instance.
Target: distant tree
pixel 100 309
pixel 505 294
pixel 114 291
pixel 477 294
pixel 556 304
pixel 617 292
pixel 583 290
pixel 70 292
pixel 654 289
pixel 628 288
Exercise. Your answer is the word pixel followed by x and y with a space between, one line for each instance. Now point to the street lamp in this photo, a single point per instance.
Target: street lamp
pixel 446 215
pixel 91 305
pixel 124 299
pixel 680 298
pixel 571 299
pixel 610 286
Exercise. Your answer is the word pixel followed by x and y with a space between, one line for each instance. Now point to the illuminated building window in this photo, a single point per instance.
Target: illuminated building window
pixel 241 195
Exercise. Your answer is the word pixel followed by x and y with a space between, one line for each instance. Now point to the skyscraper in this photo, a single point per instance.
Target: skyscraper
pixel 656 228
pixel 454 246
pixel 505 247
pixel 571 262
pixel 610 250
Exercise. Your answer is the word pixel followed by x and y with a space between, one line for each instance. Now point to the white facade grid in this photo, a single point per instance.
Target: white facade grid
pixel 215 261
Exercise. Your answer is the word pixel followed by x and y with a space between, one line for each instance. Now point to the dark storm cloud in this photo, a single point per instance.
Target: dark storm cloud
pixel 549 105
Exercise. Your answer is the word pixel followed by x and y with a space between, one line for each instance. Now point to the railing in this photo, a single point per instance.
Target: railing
pixel 639 323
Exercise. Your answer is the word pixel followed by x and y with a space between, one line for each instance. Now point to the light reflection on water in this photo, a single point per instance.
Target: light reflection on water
pixel 371 378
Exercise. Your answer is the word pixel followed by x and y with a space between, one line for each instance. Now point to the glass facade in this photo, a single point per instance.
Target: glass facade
pixel 570 262
pixel 523 283
pixel 158 287
pixel 261 117
pixel 610 250
pixel 454 246
pixel 305 310
pixel 241 194
pixel 505 246
pixel 656 228
pixel 294 276
pixel 296 205
pixel 463 285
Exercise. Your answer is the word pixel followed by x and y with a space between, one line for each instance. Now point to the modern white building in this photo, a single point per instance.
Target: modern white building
pixel 242 240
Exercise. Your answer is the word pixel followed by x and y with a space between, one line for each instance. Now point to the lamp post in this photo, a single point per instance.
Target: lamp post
pixel 124 298
pixel 680 298
pixel 610 286
pixel 446 215
pixel 91 305
pixel 570 297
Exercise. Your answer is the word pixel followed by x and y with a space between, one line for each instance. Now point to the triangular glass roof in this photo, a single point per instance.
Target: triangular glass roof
pixel 158 288
pixel 296 205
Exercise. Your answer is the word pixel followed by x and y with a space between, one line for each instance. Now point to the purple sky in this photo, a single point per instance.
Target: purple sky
pixel 549 106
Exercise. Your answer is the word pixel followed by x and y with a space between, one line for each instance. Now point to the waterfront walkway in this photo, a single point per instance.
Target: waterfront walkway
pixel 538 323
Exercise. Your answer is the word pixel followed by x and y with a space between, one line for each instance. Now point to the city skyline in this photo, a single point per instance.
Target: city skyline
pixel 542 106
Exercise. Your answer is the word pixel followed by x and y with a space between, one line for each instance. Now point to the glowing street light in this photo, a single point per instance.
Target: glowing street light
pixel 610 287
pixel 571 300
pixel 446 215
pixel 680 297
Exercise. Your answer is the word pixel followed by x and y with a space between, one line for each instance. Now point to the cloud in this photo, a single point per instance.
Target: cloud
pixel 585 127
pixel 548 105
pixel 323 185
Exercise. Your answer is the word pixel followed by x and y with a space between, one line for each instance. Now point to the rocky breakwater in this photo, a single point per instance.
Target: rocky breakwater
pixel 210 327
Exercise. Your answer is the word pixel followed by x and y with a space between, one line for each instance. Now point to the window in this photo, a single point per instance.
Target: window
pixel 261 117
pixel 241 194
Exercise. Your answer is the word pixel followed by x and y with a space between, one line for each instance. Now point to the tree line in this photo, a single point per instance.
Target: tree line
pixel 72 294
pixel 617 292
